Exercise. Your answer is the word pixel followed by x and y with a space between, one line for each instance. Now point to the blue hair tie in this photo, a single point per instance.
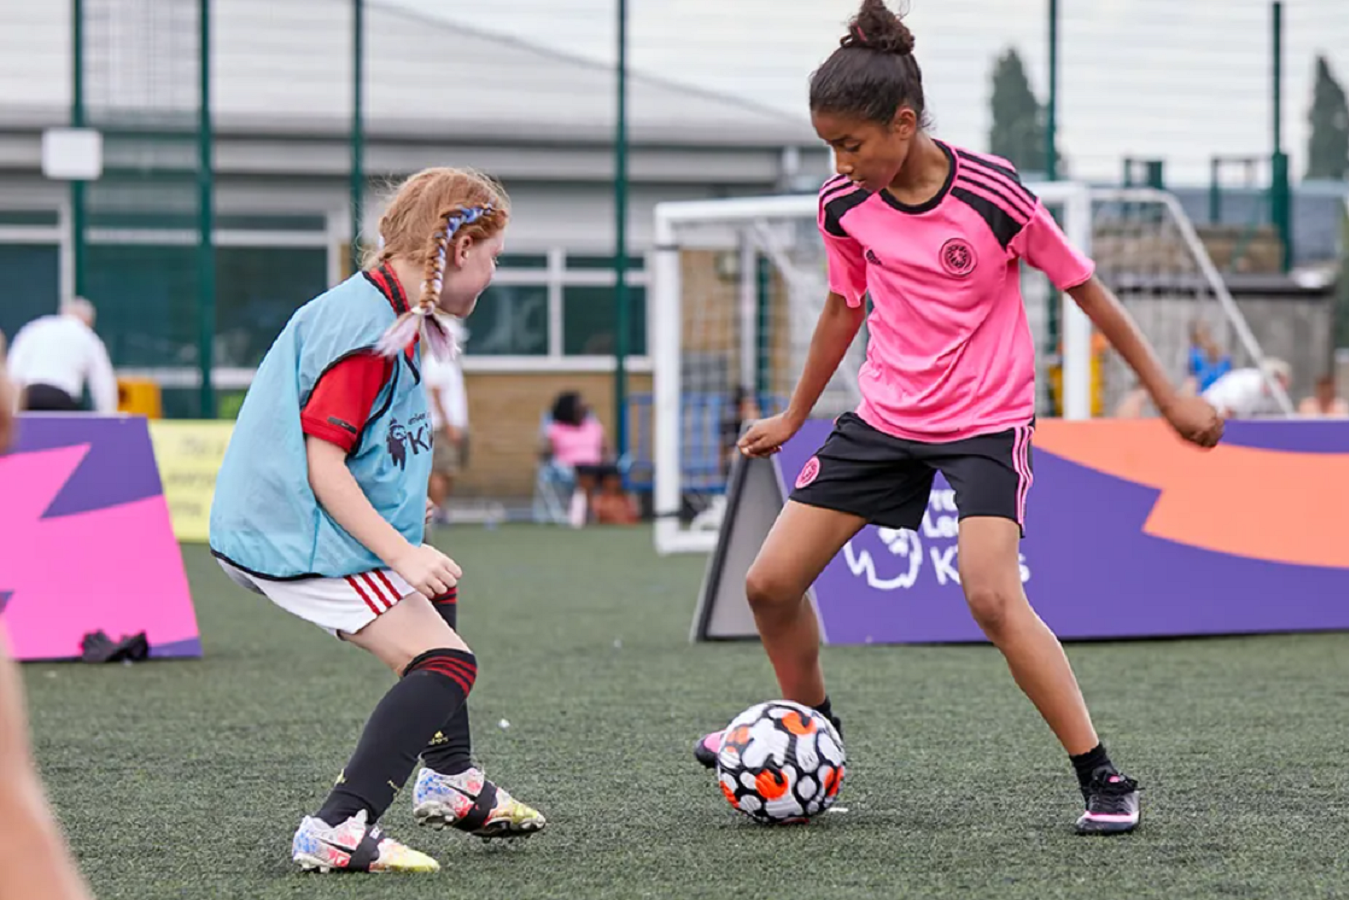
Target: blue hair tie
pixel 423 317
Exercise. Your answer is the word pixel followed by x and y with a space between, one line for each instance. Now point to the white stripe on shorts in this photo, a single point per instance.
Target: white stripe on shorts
pixel 1021 462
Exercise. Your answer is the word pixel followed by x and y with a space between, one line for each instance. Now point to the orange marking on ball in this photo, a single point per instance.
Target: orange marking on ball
pixel 771 785
pixel 738 737
pixel 832 778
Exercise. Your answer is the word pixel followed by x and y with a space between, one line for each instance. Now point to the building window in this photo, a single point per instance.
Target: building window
pixel 31 289
pixel 556 306
pixel 146 296
pixel 510 320
pixel 605 263
pixel 588 320
pixel 258 289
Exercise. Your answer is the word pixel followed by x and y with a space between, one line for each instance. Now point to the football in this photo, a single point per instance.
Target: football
pixel 781 762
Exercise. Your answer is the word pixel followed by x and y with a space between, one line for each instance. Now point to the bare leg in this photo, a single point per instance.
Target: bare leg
pixel 802 542
pixel 990 574
pixel 439 489
pixel 34 858
pixel 405 632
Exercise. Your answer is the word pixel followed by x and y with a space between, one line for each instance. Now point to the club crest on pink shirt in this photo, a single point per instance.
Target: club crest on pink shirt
pixel 809 472
pixel 957 257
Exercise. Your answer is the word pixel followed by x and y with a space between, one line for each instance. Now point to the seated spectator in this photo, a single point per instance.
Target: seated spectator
pixel 1135 405
pixel 613 505
pixel 1324 403
pixel 1243 393
pixel 1208 362
pixel 575 440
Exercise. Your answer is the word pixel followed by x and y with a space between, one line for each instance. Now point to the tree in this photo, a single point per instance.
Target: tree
pixel 1328 146
pixel 1018 132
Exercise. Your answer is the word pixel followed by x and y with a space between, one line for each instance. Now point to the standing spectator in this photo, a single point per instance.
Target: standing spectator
pixel 1242 393
pixel 449 420
pixel 54 357
pixel 1324 403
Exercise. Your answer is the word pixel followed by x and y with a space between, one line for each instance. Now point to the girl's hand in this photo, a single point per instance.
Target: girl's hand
pixel 1195 420
pixel 766 436
pixel 430 572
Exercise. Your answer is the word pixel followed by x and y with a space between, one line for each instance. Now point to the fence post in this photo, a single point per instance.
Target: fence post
pixel 621 238
pixel 357 186
pixel 1280 198
pixel 205 217
pixel 77 186
pixel 1215 191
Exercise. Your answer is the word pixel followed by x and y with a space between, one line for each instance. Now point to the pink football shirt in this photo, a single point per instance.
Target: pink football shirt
pixel 578 445
pixel 950 354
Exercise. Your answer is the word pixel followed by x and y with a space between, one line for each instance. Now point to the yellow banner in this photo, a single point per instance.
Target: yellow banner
pixel 189 455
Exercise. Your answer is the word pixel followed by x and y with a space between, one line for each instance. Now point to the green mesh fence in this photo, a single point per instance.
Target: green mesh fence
pixel 140 260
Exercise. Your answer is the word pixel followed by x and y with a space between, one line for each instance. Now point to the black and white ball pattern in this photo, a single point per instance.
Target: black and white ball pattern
pixel 781 762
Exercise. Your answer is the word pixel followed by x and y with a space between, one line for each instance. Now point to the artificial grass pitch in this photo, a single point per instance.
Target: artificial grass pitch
pixel 187 779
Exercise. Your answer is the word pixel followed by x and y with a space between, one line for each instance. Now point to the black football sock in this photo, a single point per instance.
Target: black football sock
pixel 450 751
pixel 433 687
pixel 1087 764
pixel 826 709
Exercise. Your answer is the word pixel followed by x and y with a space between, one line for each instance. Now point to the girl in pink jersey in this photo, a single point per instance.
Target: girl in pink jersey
pixel 935 235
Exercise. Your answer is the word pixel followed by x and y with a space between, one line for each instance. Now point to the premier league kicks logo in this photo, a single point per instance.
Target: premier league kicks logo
pixel 888 558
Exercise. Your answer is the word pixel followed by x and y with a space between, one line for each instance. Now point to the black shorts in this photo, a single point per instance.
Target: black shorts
pixel 45 398
pixel 886 480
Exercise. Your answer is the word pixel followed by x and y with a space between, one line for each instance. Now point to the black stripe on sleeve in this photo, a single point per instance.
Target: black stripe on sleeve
pixel 1010 174
pixel 840 206
pixel 1004 227
pixel 991 187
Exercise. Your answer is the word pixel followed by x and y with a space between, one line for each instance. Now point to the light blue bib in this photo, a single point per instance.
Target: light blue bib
pixel 264 518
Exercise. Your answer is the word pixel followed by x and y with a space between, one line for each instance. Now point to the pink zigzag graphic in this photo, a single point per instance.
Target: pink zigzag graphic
pixel 117 569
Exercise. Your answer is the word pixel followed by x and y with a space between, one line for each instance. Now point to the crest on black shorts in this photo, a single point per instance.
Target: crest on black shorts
pixel 957 257
pixel 809 472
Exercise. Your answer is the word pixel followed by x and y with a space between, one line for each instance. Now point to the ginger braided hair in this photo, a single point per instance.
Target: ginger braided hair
pixel 429 211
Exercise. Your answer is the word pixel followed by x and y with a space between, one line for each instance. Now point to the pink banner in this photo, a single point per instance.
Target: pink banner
pixel 86 543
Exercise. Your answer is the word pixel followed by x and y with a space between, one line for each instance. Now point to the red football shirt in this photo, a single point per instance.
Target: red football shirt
pixel 340 404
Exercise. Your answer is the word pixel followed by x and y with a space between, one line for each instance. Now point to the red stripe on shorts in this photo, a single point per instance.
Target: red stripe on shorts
pixel 376 590
pixel 356 586
pixel 393 591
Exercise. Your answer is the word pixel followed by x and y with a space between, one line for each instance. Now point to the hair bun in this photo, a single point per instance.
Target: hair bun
pixel 875 27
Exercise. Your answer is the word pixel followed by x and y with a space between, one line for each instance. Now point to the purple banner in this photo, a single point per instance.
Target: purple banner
pixel 1129 533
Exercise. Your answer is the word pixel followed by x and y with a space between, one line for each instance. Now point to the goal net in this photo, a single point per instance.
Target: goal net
pixel 738 284
pixel 1148 251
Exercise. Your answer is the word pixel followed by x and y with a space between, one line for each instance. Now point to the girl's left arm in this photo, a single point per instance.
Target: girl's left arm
pixel 1192 417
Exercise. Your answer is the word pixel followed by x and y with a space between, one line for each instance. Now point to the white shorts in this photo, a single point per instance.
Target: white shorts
pixel 337 605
